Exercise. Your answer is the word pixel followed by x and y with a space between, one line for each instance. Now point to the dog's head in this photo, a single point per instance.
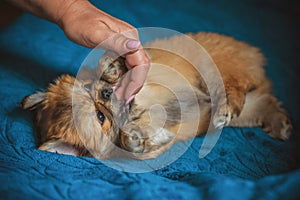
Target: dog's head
pixel 76 115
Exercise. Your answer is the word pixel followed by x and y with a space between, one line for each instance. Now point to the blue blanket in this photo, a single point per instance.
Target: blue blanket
pixel 244 164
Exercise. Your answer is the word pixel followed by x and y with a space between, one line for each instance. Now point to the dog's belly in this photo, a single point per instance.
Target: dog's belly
pixel 173 97
pixel 172 69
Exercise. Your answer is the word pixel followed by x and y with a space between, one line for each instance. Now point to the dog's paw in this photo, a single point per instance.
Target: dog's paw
pixel 278 126
pixel 222 116
pixel 138 140
pixel 132 140
pixel 60 147
pixel 226 110
pixel 111 67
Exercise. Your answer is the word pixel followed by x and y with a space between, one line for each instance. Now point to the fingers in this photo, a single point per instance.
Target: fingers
pixel 136 61
pixel 120 43
pixel 131 83
pixel 89 26
pixel 136 58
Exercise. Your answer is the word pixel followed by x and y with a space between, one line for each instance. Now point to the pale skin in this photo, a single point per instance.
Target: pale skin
pixel 88 26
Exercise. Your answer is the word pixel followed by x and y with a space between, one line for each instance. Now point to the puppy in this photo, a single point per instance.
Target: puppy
pixel 178 101
pixel 74 116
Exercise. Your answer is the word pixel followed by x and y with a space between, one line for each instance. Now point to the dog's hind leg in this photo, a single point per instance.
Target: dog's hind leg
pixel 263 109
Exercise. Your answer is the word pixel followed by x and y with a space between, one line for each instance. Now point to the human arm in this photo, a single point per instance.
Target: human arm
pixel 88 26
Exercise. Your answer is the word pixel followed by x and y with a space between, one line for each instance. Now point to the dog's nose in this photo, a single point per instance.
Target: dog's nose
pixel 106 93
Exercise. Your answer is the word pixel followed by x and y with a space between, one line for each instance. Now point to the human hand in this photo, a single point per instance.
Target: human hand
pixel 88 26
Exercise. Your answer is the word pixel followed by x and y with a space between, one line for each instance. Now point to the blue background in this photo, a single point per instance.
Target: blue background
pixel 245 163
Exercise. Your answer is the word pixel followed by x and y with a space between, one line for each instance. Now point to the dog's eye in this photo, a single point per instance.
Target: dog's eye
pixel 101 117
pixel 111 65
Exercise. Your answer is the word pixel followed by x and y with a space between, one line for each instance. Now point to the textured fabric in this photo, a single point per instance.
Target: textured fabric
pixel 244 164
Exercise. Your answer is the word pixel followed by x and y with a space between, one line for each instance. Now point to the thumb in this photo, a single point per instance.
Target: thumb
pixel 121 44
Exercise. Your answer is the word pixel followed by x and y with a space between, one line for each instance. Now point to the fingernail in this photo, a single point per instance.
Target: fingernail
pixel 130 99
pixel 133 44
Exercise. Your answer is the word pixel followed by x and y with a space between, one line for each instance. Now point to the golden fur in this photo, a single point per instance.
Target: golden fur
pixel 248 101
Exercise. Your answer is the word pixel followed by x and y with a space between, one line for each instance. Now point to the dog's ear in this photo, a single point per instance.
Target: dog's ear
pixel 31 101
pixel 59 146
